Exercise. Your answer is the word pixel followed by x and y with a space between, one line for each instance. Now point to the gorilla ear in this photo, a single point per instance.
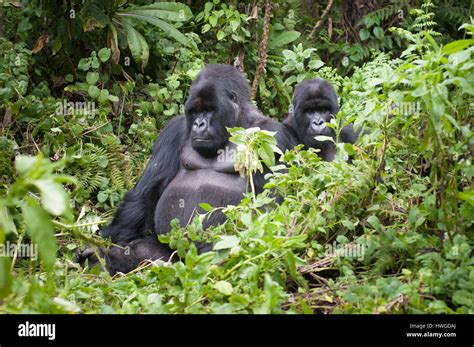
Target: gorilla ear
pixel 290 121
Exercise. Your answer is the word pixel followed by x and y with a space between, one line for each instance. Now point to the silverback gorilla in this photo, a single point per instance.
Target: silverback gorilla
pixel 185 169
pixel 315 104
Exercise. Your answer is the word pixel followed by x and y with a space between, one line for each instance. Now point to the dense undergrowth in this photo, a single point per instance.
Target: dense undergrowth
pixel 391 232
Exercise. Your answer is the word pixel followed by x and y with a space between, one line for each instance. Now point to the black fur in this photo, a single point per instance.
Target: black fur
pixel 314 104
pixel 185 168
pixel 134 216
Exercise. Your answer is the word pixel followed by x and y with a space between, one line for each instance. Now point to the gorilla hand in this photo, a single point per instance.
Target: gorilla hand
pixel 126 257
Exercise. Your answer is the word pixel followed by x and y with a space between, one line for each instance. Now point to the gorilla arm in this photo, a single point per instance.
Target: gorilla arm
pixel 347 134
pixel 127 257
pixel 134 216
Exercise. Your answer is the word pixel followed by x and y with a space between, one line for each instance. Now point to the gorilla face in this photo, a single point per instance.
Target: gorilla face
pixel 314 104
pixel 214 103
pixel 315 122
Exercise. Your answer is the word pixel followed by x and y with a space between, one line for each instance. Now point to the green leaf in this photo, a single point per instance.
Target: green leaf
pixel 5 276
pixel 315 64
pixel 53 196
pixel 7 225
pixel 92 77
pixel 167 28
pixel 457 46
pixel 84 64
pixel 265 153
pixel 364 34
pixel 305 307
pixel 137 44
pixel 419 221
pixel 213 21
pixel 205 206
pixel 102 196
pixel 94 62
pixel 246 219
pixel 460 57
pixel 290 260
pixel 283 39
pixel 234 24
pixel 289 55
pixel 349 148
pixel 370 20
pixel 103 96
pixel 208 7
pixel 104 54
pixel 170 11
pixel 322 138
pixel 224 287
pixel 220 35
pixel 342 239
pixel 93 91
pixel 463 297
pixel 272 295
pixel 205 28
pixel 378 32
pixel 227 241
pixel 25 163
pixel 67 305
pixel 430 38
pixel 467 195
pixel 113 98
pixel 374 221
pixel 38 222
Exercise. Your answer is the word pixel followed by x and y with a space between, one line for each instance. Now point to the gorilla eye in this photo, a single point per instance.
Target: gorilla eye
pixel 232 96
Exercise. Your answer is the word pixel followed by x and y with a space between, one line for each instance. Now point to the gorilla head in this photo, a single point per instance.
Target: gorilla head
pixel 216 99
pixel 314 105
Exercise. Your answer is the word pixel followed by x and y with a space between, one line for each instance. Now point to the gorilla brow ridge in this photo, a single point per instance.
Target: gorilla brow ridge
pixel 312 104
pixel 314 95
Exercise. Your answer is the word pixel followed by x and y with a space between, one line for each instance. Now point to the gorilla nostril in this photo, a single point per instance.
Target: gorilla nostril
pixel 318 122
pixel 199 124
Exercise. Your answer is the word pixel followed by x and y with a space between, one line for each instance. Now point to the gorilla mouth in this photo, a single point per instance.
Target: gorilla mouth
pixel 201 139
pixel 316 130
pixel 320 130
pixel 318 133
pixel 205 146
